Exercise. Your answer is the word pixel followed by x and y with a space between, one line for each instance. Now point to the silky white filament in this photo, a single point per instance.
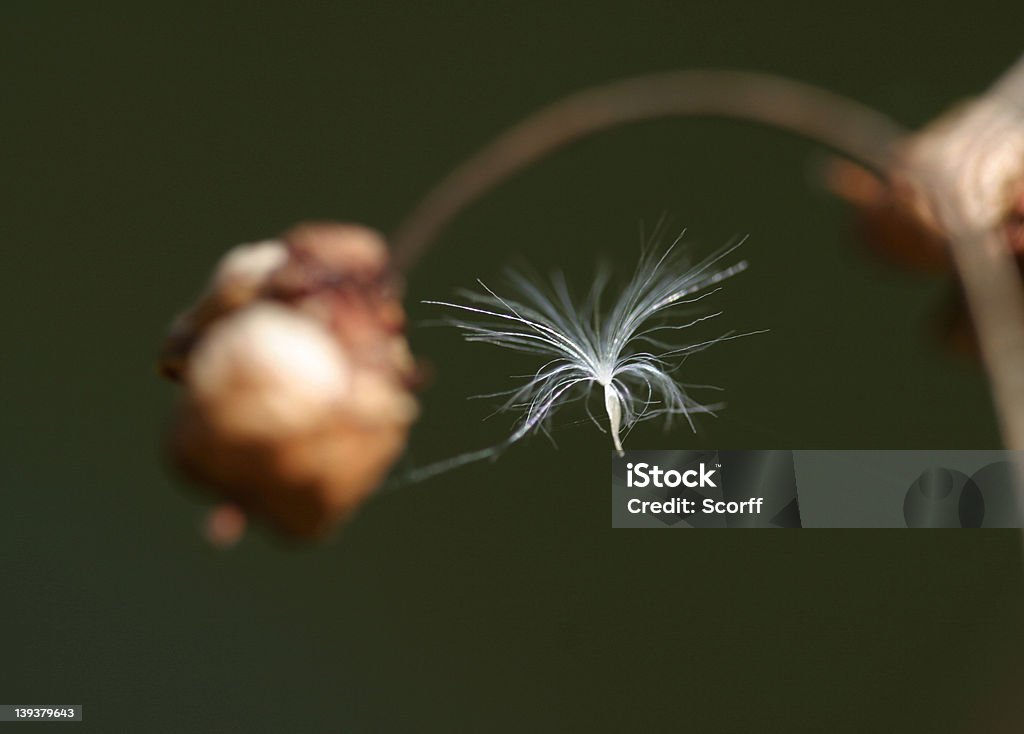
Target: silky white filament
pixel 626 349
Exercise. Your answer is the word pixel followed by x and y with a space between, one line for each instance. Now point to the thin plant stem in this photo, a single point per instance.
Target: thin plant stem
pixel 986 266
pixel 991 283
pixel 849 127
pixel 1010 86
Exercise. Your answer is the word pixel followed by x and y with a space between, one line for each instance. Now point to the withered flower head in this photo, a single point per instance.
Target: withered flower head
pixel 983 142
pixel 297 377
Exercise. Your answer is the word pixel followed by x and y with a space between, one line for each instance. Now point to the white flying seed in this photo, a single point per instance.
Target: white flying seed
pixel 622 349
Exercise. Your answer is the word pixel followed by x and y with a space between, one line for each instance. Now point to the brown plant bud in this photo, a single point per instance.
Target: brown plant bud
pixel 896 211
pixel 297 377
pixel 239 278
pixel 983 143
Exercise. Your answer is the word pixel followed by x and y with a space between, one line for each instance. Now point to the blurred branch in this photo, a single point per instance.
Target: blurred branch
pixel 972 165
pixel 848 127
pixel 1010 86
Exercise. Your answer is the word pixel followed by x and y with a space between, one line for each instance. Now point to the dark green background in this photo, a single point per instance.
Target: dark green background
pixel 138 142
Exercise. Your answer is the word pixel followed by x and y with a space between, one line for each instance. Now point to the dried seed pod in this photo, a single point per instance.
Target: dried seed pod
pixel 297 377
pixel 896 211
pixel 238 279
pixel 982 142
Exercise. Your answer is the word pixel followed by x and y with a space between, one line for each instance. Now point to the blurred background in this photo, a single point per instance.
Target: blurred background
pixel 138 143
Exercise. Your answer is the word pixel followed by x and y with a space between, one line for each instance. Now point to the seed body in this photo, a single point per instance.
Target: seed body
pixel 614 408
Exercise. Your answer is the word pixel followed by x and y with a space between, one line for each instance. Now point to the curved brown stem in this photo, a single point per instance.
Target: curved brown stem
pixel 848 127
